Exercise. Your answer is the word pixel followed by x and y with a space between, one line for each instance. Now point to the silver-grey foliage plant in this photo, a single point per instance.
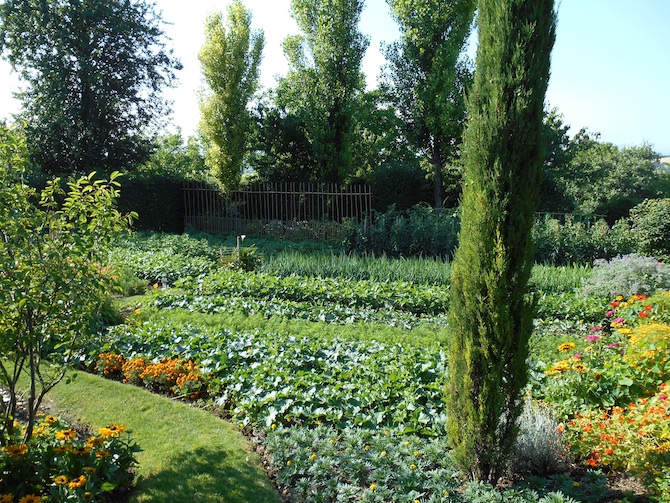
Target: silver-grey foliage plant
pixel 627 275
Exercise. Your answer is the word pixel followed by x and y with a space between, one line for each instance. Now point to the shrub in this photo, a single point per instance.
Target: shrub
pixel 540 448
pixel 626 276
pixel 651 227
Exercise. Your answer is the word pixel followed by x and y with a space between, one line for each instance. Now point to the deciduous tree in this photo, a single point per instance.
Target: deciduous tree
pixel 426 76
pixel 230 59
pixel 325 81
pixel 491 318
pixel 52 247
pixel 93 72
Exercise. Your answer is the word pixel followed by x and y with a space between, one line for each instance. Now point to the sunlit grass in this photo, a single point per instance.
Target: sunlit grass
pixel 188 454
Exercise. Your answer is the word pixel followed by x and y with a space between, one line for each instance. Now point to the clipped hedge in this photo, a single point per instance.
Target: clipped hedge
pixel 157 200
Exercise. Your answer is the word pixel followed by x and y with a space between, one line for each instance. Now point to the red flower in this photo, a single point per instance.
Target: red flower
pixel 648 308
pixel 643 314
pixel 592 462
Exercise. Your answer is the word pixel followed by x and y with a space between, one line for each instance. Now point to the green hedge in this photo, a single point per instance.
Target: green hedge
pixel 158 201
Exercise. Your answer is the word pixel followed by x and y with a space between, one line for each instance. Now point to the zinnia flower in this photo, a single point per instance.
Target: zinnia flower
pixel 592 338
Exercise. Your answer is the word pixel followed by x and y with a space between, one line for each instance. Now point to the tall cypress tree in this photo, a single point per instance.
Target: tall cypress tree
pixel 490 313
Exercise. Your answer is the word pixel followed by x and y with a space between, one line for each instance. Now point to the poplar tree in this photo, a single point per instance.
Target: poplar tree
pixel 230 59
pixel 324 83
pixel 491 315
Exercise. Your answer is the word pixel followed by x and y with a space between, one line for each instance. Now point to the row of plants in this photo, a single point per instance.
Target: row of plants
pixel 58 464
pixel 560 239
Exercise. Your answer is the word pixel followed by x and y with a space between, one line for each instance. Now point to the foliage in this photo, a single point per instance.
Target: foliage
pixel 651 227
pixel 94 72
pixel 324 81
pixel 230 59
pixel 626 276
pixel 614 363
pixel 490 317
pixel 57 463
pixel 420 231
pixel 173 159
pixel 632 438
pixel 602 173
pixel 426 77
pixel 398 296
pixel 571 240
pixel 52 281
pixel 245 258
pixel 540 448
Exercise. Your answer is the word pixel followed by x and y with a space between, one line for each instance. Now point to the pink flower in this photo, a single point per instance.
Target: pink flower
pixel 596 329
pixel 592 338
pixel 609 314
pixel 663 397
pixel 619 320
pixel 614 345
pixel 577 356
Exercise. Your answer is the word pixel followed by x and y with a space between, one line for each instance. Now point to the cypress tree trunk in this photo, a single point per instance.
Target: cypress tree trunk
pixel 490 313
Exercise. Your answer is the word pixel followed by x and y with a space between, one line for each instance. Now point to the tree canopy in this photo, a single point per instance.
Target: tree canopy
pixel 426 76
pixel 230 58
pixel 325 80
pixel 94 71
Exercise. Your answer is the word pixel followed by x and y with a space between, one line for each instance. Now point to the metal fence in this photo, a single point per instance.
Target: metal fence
pixel 279 209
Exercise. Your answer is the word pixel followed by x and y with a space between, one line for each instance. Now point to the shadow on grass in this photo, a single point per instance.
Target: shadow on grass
pixel 204 475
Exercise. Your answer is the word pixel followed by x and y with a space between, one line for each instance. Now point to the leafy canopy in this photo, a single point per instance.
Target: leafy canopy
pixel 94 71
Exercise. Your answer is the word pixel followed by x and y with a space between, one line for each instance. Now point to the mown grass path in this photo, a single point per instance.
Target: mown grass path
pixel 188 454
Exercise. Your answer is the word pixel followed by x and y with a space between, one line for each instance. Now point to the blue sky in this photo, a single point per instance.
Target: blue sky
pixel 610 64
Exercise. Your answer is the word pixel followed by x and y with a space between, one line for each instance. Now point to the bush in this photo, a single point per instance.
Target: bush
pixel 626 276
pixel 651 227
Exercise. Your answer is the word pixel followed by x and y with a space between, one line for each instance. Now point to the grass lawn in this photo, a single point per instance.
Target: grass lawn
pixel 188 454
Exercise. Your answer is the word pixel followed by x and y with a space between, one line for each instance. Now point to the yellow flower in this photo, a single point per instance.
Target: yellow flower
pixel 416 453
pixel 288 463
pixel 367 447
pixel 16 450
pixel 81 451
pixel 94 441
pixel 102 454
pixel 137 311
pixel 88 496
pixel 61 480
pixel 579 367
pixel 66 435
pixel 6 498
pixel 373 487
pixel 383 453
pixel 113 430
pixel 618 297
pixel 31 498
pixel 576 484
pixel 412 466
pixel 567 346
pixel 89 470
pixel 313 456
pixel 406 443
pixel 77 483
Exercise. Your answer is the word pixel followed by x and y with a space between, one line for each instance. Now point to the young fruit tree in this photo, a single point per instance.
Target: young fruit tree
pixel 491 316
pixel 52 281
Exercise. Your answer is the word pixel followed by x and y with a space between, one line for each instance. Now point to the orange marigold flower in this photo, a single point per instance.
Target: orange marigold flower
pixel 592 462
pixel 609 452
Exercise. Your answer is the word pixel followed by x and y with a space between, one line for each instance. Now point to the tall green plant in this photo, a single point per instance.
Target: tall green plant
pixel 490 315
pixel 51 248
pixel 230 59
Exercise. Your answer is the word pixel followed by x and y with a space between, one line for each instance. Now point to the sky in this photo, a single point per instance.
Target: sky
pixel 610 64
